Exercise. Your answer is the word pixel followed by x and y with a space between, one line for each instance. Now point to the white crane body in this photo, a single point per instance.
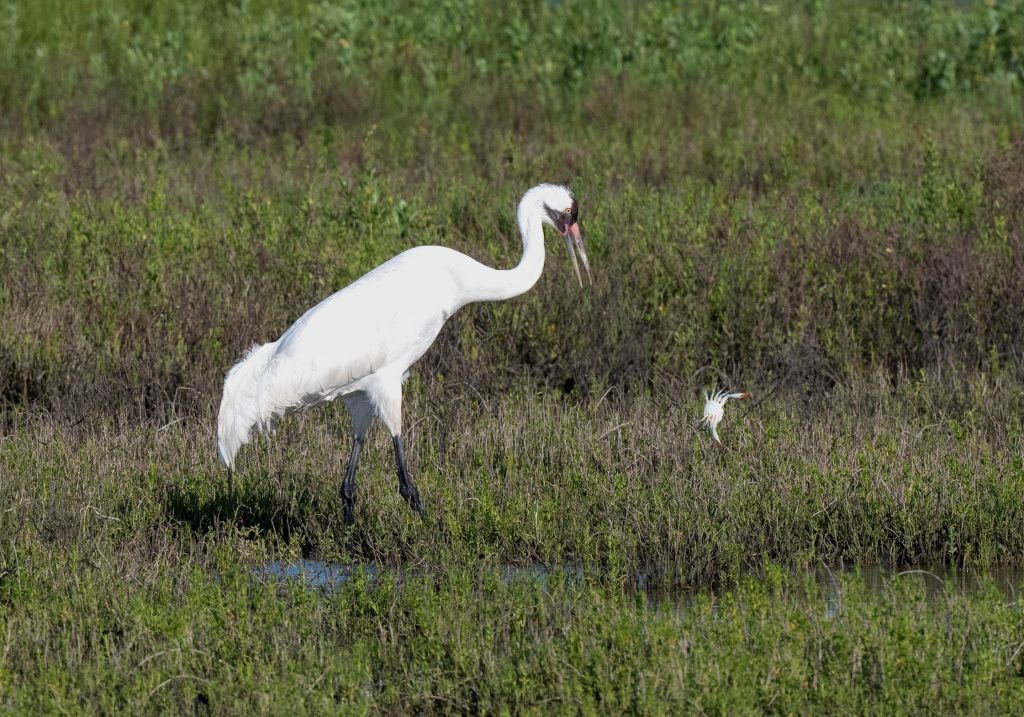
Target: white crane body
pixel 359 343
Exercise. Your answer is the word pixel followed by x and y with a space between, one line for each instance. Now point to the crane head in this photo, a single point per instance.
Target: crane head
pixel 563 213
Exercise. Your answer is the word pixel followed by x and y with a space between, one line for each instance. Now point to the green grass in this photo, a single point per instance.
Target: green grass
pixel 625 486
pixel 819 202
pixel 169 637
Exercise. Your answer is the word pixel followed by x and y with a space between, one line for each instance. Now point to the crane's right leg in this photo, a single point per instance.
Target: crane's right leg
pixel 388 396
pixel 362 413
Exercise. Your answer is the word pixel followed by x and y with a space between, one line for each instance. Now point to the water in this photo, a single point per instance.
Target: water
pixel 314 574
pixel 937 579
pixel 321 575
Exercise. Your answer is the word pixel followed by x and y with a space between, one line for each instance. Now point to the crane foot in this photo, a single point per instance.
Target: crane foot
pixel 412 497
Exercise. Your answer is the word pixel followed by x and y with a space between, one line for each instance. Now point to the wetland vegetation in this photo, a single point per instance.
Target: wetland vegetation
pixel 819 202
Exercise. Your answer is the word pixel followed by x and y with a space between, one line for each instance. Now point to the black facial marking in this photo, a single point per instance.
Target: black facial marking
pixel 563 220
pixel 557 218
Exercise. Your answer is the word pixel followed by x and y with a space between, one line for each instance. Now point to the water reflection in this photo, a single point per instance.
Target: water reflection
pixel 938 580
pixel 321 575
pixel 314 574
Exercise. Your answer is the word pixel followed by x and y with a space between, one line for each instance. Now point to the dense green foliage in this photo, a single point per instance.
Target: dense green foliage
pixel 288 64
pixel 821 202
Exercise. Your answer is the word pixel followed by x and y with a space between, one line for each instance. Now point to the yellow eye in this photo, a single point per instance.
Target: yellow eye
pixel 568 211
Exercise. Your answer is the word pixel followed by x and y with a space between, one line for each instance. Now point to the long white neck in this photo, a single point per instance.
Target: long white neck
pixel 497 284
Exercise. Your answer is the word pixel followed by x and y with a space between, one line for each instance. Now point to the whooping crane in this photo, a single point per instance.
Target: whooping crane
pixel 358 343
pixel 714 410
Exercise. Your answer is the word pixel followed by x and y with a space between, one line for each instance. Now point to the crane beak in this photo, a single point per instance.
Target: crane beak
pixel 574 243
pixel 744 395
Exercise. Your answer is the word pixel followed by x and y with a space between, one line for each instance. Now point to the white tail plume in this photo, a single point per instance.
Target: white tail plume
pixel 242 408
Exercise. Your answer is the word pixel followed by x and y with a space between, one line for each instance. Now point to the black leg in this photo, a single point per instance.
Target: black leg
pixel 406 488
pixel 348 486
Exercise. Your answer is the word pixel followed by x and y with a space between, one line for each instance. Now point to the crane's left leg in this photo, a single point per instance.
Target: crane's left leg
pixel 361 410
pixel 389 408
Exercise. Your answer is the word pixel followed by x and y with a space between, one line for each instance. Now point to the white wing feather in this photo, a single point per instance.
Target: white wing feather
pixel 352 335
